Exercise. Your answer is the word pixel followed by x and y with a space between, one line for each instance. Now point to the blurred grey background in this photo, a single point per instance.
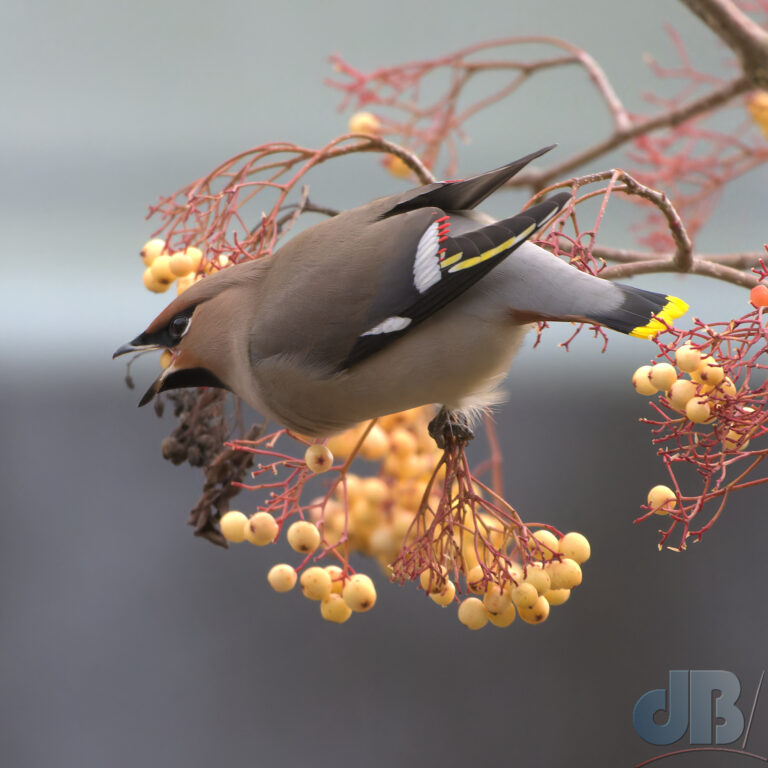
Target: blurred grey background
pixel 123 639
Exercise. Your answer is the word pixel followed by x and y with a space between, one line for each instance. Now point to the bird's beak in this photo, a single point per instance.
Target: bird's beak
pixel 137 345
pixel 154 388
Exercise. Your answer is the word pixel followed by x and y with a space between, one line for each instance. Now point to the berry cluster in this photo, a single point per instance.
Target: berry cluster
pixel 525 590
pixel 187 266
pixel 713 393
pixel 422 517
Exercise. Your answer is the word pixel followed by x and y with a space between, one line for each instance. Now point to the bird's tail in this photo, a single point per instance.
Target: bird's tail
pixel 641 313
pixel 540 286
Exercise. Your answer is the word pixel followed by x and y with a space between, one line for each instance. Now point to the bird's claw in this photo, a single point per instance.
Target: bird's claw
pixel 450 426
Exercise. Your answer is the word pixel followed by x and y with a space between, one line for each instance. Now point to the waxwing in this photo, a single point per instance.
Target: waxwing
pixel 408 300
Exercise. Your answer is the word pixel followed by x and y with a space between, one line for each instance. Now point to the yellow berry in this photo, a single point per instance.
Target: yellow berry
pixel 697 375
pixel 282 577
pixel 681 392
pixel 495 600
pixel 537 613
pixel 397 167
pixel 557 596
pixel 539 577
pixel 303 536
pixel 734 440
pixel 364 122
pixel 710 373
pixel 505 618
pixel 663 376
pixel 576 546
pixel 261 529
pixel 359 593
pixel 402 442
pixel 196 255
pixel 698 411
pixel 472 613
pixel 402 519
pixel 515 571
pixel 151 250
pixel 661 499
pixel 383 543
pixel 375 491
pixel 543 544
pixel 564 574
pixel 165 358
pixel 354 487
pixel 336 574
pixel 342 445
pixel 446 596
pixel 315 583
pixel 758 109
pixel 687 358
pixel 431 581
pixel 375 445
pixel 728 387
pixel 215 264
pixel 161 269
pixel 318 458
pixel 232 526
pixel 185 282
pixel 641 380
pixel 475 578
pixel 180 264
pixel 333 608
pixel 151 283
pixel 524 595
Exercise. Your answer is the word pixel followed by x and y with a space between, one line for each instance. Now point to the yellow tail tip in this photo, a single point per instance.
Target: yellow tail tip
pixel 673 309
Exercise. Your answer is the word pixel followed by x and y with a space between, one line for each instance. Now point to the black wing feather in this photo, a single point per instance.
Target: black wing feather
pixel 466 194
pixel 478 252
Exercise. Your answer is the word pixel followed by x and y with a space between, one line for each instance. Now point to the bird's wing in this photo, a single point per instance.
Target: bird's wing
pixel 460 195
pixel 421 277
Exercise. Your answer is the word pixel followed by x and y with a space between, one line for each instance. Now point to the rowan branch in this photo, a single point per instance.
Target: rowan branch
pixel 726 267
pixel 539 178
pixel 741 34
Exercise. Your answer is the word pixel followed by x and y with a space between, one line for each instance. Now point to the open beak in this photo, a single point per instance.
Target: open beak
pixel 154 388
pixel 137 345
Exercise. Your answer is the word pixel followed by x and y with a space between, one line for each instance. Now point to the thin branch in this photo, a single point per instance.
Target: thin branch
pixel 537 179
pixel 741 34
pixel 697 267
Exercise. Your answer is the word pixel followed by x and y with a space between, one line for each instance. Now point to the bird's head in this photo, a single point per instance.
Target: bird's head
pixel 199 329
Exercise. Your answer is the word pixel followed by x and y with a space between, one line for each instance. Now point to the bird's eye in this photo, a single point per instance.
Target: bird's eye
pixel 178 326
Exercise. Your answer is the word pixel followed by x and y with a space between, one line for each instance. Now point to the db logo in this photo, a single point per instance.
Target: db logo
pixel 690 702
pixel 702 702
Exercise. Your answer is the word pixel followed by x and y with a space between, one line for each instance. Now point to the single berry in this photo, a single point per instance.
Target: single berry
pixel 261 529
pixel 537 613
pixel 318 458
pixel 641 380
pixel 663 376
pixel 333 608
pixel 472 613
pixel 661 499
pixel 282 577
pixel 232 526
pixel 315 583
pixel 303 536
pixel 575 546
pixel 359 593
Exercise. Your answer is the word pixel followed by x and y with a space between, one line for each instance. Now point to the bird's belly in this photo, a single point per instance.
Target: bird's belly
pixel 457 360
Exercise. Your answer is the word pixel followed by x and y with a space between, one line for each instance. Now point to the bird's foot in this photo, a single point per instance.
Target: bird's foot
pixel 450 426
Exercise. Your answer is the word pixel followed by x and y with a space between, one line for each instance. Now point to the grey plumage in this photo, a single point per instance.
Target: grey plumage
pixel 410 299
